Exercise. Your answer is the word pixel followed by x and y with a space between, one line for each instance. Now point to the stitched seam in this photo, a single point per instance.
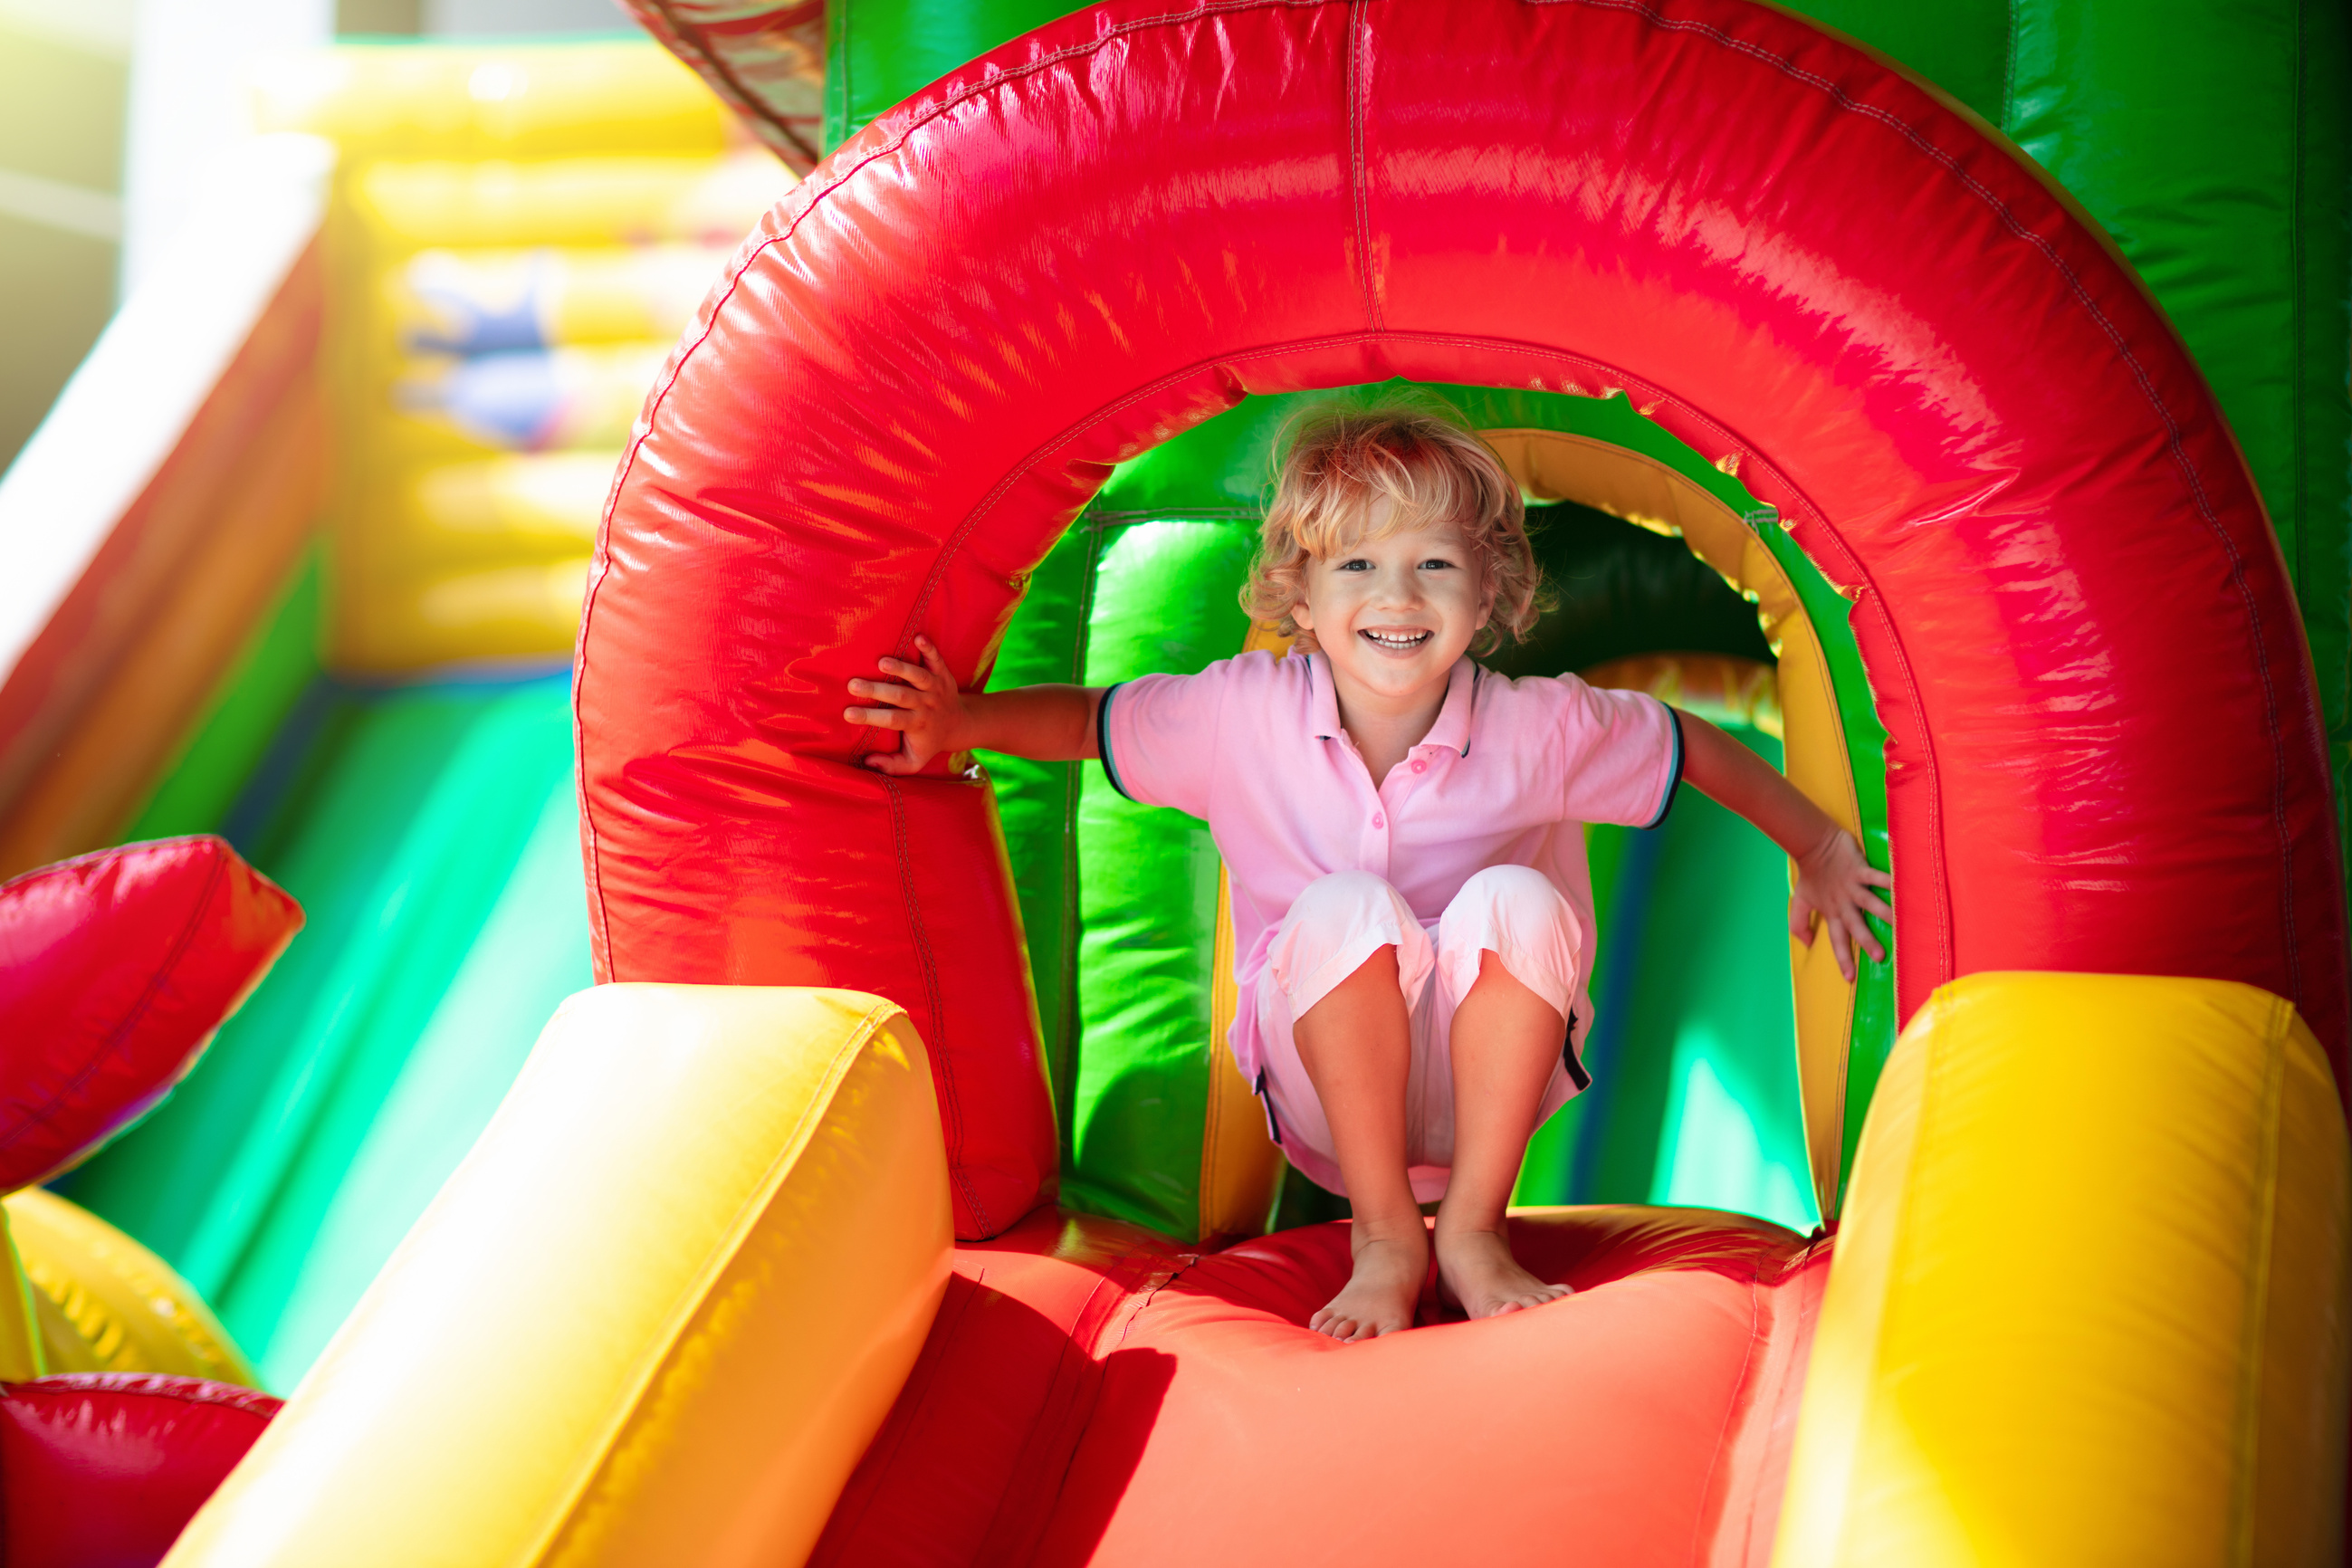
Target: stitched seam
pixel 2254 1334
pixel 1082 1358
pixel 1359 34
pixel 900 1424
pixel 1066 1095
pixel 2175 441
pixel 943 1062
pixel 2299 436
pixel 2009 75
pixel 138 1011
pixel 1788 1271
pixel 1095 1355
pixel 1731 1406
pixel 1019 1513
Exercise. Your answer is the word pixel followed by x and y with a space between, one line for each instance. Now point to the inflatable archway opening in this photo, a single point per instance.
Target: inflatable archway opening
pixel 1132 971
pixel 914 381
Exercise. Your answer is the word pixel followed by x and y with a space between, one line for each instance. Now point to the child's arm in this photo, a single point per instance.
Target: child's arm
pixel 1834 881
pixel 1050 723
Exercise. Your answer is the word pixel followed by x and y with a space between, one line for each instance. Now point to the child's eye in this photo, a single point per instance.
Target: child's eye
pixel 1439 564
pixel 1357 564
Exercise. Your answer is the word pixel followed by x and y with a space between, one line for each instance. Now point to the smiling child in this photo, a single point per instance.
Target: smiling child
pixel 1404 831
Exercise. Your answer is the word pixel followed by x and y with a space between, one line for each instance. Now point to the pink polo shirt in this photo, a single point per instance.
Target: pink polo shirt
pixel 1507 776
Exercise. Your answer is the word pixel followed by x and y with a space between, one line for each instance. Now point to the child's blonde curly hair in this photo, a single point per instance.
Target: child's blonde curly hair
pixel 1335 460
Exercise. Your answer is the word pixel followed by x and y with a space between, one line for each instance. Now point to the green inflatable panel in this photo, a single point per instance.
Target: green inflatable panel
pixel 1696 1097
pixel 1165 601
pixel 400 821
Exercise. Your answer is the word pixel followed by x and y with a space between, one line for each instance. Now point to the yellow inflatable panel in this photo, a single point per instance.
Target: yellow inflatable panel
pixel 20 1332
pixel 2087 1304
pixel 655 1317
pixel 464 100
pixel 104 1303
pixel 416 205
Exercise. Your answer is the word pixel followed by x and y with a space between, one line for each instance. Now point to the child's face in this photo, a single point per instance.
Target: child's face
pixel 1394 614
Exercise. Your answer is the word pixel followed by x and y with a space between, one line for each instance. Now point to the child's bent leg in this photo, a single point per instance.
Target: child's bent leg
pixel 1506 1043
pixel 1356 1044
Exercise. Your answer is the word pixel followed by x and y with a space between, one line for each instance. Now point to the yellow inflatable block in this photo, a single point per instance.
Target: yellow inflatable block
pixel 503 615
pixel 511 506
pixel 419 205
pixel 654 1317
pixel 2087 1303
pixel 104 1303
pixel 465 101
pixel 21 1354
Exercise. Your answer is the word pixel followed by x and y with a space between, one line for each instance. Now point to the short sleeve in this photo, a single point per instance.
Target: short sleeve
pixel 1158 734
pixel 1623 755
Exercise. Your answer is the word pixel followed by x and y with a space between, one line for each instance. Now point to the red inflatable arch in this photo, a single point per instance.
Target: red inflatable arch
pixel 2106 750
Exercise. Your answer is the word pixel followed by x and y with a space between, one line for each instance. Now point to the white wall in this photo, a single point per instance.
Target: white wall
pixel 464 18
pixel 190 63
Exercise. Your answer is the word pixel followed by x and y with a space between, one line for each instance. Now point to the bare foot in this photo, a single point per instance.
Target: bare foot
pixel 1378 1297
pixel 1478 1268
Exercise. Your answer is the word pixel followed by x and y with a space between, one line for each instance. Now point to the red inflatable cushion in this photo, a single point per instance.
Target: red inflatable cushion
pixel 1082 1377
pixel 105 1470
pixel 115 968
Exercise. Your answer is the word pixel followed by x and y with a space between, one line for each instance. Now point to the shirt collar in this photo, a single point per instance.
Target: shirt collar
pixel 1452 730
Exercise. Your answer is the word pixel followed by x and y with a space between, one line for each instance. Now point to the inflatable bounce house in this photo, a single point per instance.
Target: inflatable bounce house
pixel 1957 410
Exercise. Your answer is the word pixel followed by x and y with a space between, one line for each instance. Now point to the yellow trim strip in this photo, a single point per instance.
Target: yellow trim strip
pixel 1552 464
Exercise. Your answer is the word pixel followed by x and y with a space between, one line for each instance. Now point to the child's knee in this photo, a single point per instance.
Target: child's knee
pixel 1522 889
pixel 1349 900
pixel 1518 899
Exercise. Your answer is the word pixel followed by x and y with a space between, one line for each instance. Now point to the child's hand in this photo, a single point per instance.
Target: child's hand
pixel 1834 883
pixel 928 710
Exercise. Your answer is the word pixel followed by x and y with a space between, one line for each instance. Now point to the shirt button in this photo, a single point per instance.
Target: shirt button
pixel 1420 767
pixel 1379 821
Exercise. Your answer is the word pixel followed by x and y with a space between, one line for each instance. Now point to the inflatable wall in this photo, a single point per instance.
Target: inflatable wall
pixel 891 1201
pixel 507 244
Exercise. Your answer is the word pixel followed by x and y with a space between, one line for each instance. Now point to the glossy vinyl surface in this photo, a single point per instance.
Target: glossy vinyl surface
pixel 115 969
pixel 2078 630
pixel 1083 1382
pixel 2154 1370
pixel 104 1470
pixel 654 1317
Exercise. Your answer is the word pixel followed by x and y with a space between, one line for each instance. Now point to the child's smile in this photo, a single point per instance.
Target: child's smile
pixel 1394 613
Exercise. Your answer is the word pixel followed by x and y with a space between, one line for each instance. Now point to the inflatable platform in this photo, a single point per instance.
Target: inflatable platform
pixel 888 1199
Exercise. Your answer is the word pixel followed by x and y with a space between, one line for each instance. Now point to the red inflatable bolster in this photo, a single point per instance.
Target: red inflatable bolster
pixel 1082 1377
pixel 115 968
pixel 105 1470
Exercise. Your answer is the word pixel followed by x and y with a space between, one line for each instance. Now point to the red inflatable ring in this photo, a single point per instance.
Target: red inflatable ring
pixel 2106 752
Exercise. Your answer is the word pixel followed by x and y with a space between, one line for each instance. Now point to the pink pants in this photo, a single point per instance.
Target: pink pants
pixel 1341 920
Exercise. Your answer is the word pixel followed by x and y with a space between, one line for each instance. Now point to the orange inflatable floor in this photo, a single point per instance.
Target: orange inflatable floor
pixel 1092 1393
